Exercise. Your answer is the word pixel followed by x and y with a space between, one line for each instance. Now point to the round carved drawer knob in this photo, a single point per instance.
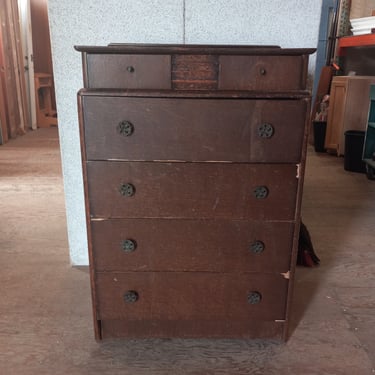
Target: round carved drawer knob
pixel 125 128
pixel 257 247
pixel 254 297
pixel 131 296
pixel 127 190
pixel 260 192
pixel 130 69
pixel 129 245
pixel 266 130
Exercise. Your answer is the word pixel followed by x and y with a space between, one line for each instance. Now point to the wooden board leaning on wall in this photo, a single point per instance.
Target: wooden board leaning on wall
pixel 14 110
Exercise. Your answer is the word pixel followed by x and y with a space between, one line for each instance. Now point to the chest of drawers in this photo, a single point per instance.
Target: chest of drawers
pixel 193 160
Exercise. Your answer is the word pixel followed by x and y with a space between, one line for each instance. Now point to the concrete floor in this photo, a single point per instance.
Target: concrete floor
pixel 45 311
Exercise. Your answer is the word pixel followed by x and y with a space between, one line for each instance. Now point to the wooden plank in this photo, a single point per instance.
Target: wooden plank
pixel 30 63
pixel 20 65
pixel 323 89
pixel 7 72
pixel 13 44
pixel 3 127
pixel 3 106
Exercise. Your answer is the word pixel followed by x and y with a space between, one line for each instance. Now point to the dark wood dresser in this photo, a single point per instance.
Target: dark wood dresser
pixel 193 160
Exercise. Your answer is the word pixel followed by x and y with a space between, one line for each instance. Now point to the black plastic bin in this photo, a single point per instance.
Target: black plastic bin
pixel 319 135
pixel 354 140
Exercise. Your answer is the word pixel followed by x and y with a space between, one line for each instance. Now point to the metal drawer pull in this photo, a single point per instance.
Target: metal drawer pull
pixel 129 245
pixel 130 69
pixel 257 247
pixel 127 190
pixel 262 71
pixel 131 296
pixel 266 130
pixel 254 298
pixel 125 128
pixel 260 192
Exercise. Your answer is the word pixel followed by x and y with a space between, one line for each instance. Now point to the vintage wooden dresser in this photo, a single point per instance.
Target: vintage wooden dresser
pixel 193 160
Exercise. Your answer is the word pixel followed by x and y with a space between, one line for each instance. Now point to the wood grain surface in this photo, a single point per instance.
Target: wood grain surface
pixel 128 71
pixel 192 190
pixel 190 296
pixel 263 73
pixel 194 130
pixel 191 245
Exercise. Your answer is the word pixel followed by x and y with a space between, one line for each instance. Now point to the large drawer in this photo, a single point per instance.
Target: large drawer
pixel 188 295
pixel 262 73
pixel 192 190
pixel 128 71
pixel 244 130
pixel 191 245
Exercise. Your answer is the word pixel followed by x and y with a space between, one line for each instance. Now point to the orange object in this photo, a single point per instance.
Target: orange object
pixel 355 41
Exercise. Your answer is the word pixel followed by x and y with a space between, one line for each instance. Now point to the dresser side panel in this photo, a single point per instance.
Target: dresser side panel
pixel 97 327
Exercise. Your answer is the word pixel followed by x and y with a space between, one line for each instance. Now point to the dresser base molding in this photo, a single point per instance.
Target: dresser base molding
pixel 242 329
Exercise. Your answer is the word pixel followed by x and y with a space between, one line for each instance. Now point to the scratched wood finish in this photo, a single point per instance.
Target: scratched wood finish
pixel 128 71
pixel 190 296
pixel 191 245
pixel 198 72
pixel 194 159
pixel 262 73
pixel 194 130
pixel 197 67
pixel 192 190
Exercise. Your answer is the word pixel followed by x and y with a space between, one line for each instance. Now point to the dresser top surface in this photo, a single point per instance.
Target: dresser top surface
pixel 119 48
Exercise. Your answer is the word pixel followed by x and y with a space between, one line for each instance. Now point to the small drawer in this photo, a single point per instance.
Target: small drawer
pixel 192 190
pixel 186 295
pixel 165 129
pixel 107 71
pixel 263 73
pixel 191 245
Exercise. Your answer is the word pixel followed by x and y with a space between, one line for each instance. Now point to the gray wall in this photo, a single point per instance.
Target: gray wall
pixel 288 23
